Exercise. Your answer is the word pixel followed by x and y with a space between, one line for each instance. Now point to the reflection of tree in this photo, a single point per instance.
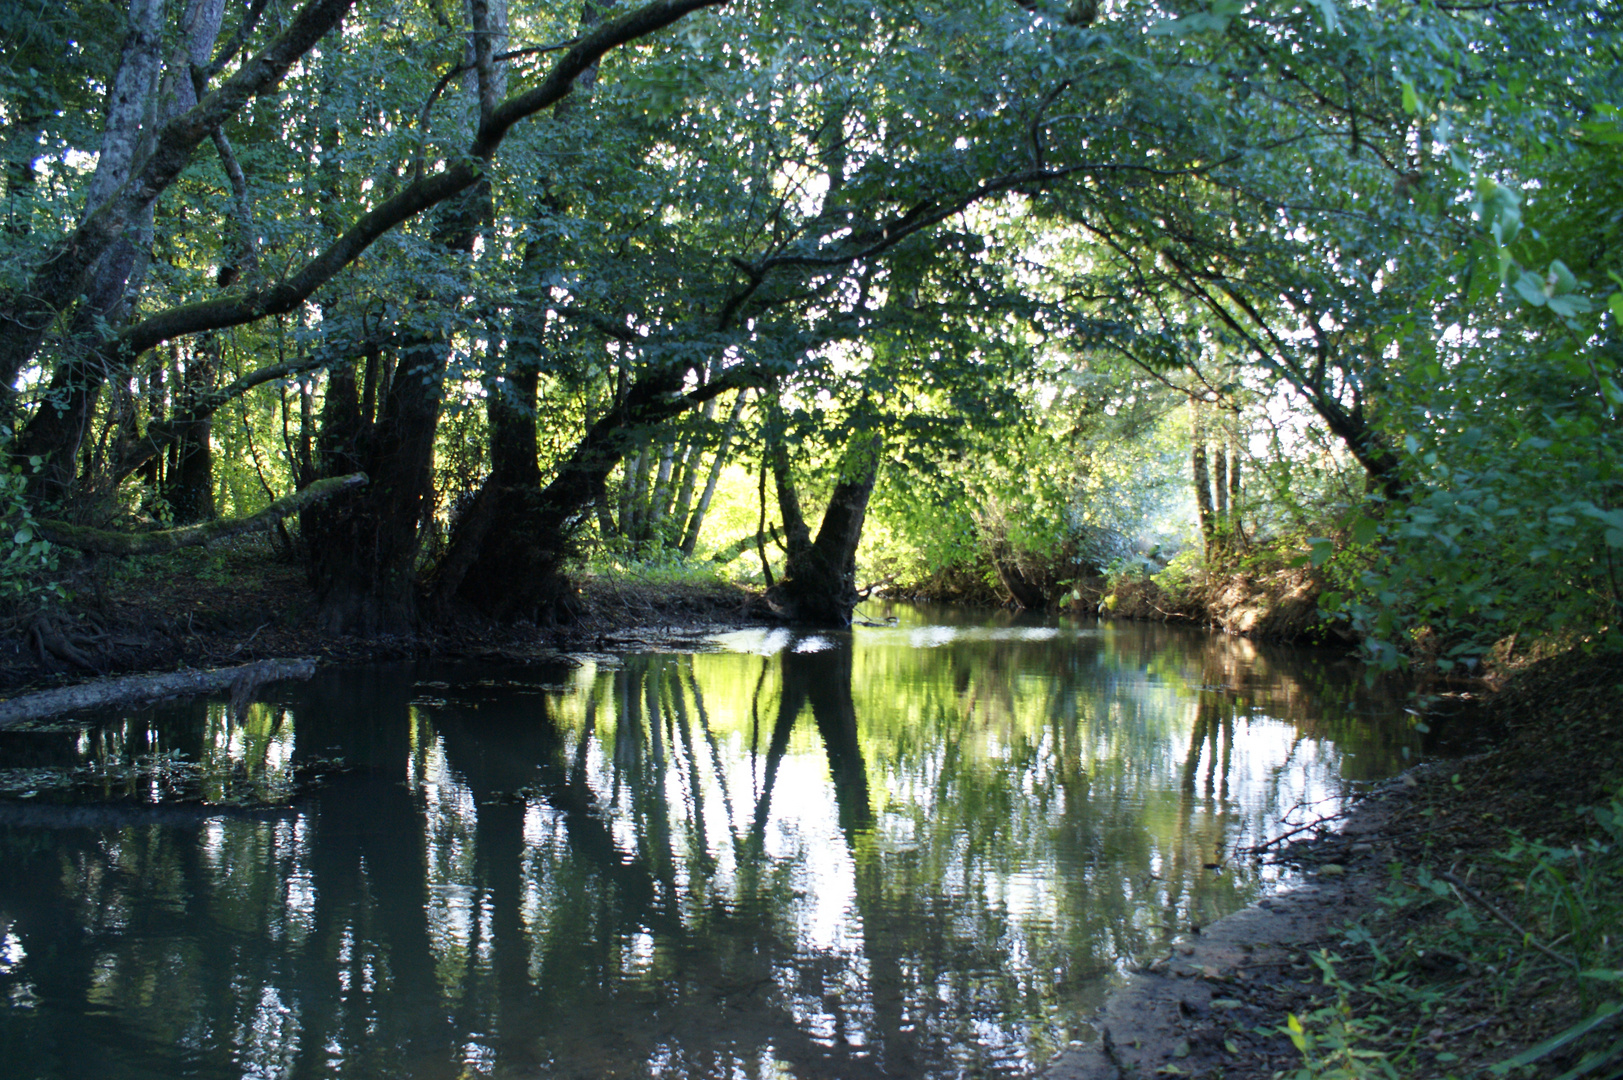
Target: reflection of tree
pixel 618 875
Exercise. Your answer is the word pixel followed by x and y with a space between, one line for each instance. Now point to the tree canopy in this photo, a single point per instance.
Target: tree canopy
pixel 553 279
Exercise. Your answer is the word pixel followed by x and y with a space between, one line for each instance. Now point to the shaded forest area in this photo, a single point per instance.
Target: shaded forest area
pixel 324 322
pixel 1090 304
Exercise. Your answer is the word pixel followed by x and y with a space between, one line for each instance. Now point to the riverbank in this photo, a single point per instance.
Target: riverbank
pixel 1463 916
pixel 1281 604
pixel 237 602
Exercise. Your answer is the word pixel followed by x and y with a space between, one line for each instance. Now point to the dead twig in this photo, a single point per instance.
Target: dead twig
pixel 1466 892
pixel 1258 849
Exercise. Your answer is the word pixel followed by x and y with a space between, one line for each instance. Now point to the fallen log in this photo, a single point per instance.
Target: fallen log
pixel 241 681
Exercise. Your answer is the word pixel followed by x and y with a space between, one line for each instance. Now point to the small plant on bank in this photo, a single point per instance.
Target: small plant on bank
pixel 1550 928
pixel 27 560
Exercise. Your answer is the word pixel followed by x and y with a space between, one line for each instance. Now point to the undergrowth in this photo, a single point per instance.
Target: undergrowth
pixel 1462 964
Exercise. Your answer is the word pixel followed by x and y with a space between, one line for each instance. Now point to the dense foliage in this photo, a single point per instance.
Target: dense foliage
pixel 1034 293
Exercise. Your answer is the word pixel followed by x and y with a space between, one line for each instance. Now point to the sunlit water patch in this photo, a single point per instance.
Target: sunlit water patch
pixel 924 849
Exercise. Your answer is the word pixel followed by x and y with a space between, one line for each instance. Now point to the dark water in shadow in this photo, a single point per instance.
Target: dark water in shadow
pixel 925 851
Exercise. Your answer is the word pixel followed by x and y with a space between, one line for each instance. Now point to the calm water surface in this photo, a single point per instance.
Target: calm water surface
pixel 921 850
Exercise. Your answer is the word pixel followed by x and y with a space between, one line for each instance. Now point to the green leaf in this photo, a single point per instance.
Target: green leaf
pixel 1570 305
pixel 1561 278
pixel 1411 100
pixel 24 535
pixel 1365 531
pixel 1531 288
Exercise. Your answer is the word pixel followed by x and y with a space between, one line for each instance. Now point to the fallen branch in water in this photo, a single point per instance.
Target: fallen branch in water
pixel 1319 823
pixel 242 681
pixel 74 816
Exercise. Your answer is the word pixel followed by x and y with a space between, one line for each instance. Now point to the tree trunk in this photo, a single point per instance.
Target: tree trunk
pixel 140 102
pixel 189 487
pixel 819 584
pixel 1026 594
pixel 692 456
pixel 797 535
pixel 1234 486
pixel 1203 480
pixel 690 539
pixel 508 566
pixel 365 548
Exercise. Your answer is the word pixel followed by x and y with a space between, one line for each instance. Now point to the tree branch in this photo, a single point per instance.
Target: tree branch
pixel 60 275
pixel 107 542
pixel 418 196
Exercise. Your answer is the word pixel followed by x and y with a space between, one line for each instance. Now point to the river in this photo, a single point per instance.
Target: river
pixel 923 849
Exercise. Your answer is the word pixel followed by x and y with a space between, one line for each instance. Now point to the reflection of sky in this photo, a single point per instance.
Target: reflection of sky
pixel 1014 813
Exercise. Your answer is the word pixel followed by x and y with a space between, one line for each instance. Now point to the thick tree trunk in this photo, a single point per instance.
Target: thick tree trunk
pixel 819 584
pixel 510 567
pixel 363 548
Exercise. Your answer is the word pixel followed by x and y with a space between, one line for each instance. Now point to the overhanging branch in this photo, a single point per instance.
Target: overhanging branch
pixel 107 542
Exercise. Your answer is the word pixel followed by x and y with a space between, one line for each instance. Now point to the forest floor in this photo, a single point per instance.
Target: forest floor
pixel 1441 926
pixel 1466 915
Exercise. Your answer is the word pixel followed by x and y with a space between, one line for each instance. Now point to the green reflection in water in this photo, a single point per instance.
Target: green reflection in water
pixel 923 851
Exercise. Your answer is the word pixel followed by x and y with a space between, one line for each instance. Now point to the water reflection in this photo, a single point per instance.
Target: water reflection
pixel 926 853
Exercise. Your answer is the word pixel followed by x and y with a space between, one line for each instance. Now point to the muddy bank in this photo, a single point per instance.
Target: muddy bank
pixel 1280 605
pixel 1212 1004
pixel 238 604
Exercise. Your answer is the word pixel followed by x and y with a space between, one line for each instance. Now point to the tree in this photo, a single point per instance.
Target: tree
pixel 141 160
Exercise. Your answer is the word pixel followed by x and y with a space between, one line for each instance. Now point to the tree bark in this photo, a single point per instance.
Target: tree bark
pixel 819 585
pixel 690 539
pixel 140 689
pixel 511 569
pixel 84 538
pixel 59 276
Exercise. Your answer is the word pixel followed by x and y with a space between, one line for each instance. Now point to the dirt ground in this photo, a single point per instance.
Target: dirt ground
pixel 238 602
